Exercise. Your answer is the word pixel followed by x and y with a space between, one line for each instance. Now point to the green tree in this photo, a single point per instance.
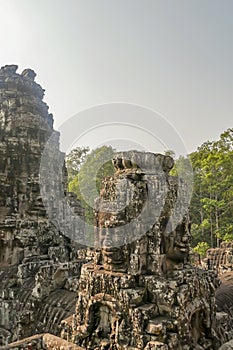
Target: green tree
pixel 74 160
pixel 212 204
pixel 183 168
pixel 86 183
pixel 201 248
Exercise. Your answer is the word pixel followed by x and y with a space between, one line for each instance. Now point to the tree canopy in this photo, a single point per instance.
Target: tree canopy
pixel 212 201
pixel 87 175
pixel 74 160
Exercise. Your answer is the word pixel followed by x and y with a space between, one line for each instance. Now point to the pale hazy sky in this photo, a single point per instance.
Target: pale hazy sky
pixel 173 56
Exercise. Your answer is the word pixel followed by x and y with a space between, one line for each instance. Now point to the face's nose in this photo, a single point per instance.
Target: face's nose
pixel 185 238
pixel 107 240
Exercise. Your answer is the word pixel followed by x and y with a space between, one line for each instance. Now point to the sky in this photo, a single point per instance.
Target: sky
pixel 171 56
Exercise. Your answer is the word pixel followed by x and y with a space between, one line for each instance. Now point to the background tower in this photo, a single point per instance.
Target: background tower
pixel 35 257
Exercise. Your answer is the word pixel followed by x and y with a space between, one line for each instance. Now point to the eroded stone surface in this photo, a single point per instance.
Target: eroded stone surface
pixel 42 342
pixel 220 259
pixel 141 291
pixel 38 264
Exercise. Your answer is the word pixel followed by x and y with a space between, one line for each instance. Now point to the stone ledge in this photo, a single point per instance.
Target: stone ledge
pixel 227 346
pixel 55 343
pixel 42 341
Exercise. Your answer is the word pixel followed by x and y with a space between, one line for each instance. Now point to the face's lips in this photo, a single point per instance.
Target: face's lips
pixel 110 249
pixel 183 250
pixel 180 244
pixel 107 243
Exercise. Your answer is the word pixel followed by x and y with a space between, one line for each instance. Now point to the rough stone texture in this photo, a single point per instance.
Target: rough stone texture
pixel 224 302
pixel 139 292
pixel 144 294
pixel 227 346
pixel 42 342
pixel 227 278
pixel 220 259
pixel 38 265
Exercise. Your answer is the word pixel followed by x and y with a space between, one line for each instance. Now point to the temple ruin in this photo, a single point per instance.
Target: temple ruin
pixel 139 291
pixel 145 293
pixel 35 259
pixel 220 259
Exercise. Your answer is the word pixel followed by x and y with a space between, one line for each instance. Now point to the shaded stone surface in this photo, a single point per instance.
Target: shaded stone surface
pixel 220 259
pixel 42 342
pixel 141 291
pixel 227 346
pixel 224 299
pixel 36 260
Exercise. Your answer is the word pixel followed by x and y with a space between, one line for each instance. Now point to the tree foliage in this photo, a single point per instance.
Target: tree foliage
pixel 91 170
pixel 212 201
pixel 201 248
pixel 96 165
pixel 74 160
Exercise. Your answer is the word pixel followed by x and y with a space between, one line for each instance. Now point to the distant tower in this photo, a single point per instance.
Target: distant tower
pixel 28 240
pixel 25 127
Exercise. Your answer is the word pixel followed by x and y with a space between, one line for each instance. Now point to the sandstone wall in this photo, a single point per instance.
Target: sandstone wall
pixel 38 264
pixel 141 291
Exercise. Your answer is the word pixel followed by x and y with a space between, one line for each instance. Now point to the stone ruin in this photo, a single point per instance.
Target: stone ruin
pixel 36 260
pixel 140 290
pixel 220 259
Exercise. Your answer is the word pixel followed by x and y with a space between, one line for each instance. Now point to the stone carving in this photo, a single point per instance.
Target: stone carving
pixel 220 259
pixel 42 342
pixel 141 291
pixel 38 265
pixel 138 291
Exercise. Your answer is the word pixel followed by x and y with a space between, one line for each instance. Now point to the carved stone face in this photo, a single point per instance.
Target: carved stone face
pixel 111 241
pixel 177 243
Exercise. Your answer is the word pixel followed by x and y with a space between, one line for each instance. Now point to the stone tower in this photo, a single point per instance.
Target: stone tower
pixel 141 291
pixel 25 126
pixel 34 255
